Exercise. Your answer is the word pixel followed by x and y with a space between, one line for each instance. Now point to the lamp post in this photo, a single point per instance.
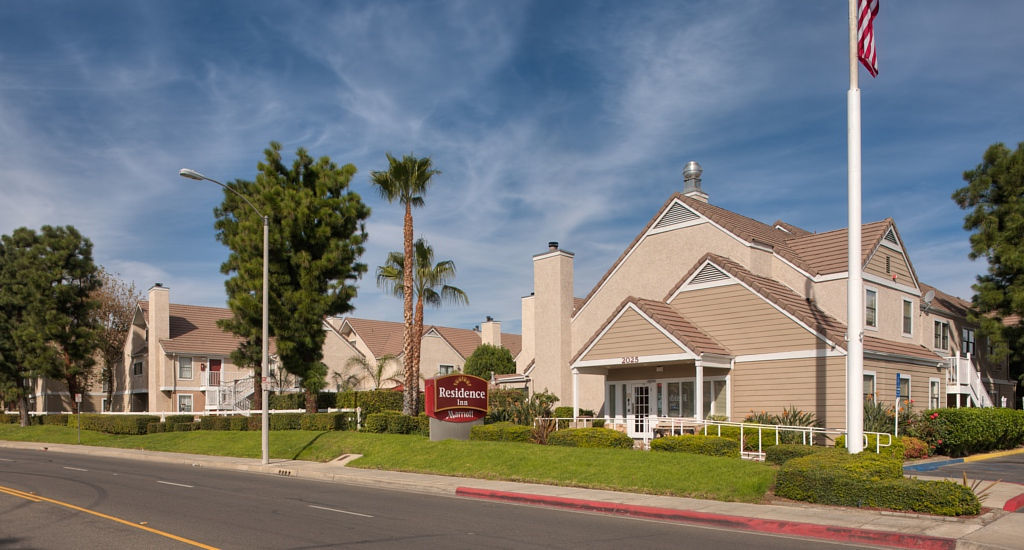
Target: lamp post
pixel 265 423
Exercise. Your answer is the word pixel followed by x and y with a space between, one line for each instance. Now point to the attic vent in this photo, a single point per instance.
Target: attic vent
pixel 676 215
pixel 891 237
pixel 708 274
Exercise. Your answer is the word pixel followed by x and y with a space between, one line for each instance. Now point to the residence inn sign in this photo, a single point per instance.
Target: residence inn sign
pixel 456 398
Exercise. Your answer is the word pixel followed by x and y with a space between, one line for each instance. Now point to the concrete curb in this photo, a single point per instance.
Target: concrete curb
pixel 1014 504
pixel 780 527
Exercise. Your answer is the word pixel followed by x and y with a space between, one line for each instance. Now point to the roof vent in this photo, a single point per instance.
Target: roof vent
pixel 691 181
pixel 552 245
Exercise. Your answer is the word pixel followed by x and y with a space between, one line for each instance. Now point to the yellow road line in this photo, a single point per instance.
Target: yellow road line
pixel 995 454
pixel 37 498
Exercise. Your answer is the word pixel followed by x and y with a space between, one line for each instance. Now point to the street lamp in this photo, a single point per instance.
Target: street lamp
pixel 265 424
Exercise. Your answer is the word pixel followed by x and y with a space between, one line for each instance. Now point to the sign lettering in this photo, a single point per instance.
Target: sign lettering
pixel 630 360
pixel 456 398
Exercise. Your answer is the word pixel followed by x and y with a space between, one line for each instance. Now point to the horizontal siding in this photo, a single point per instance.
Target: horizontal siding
pixel 631 335
pixel 815 385
pixel 742 321
pixel 897 265
pixel 885 382
pixel 651 372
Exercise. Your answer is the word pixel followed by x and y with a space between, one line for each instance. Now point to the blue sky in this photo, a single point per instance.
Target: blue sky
pixel 568 121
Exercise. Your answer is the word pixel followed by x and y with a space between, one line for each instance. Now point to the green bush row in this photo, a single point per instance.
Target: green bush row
pixel 779 454
pixel 394 422
pixel 869 480
pixel 325 422
pixel 179 419
pixel 373 401
pixel 749 436
pixel 291 401
pixel 894 450
pixel 709 445
pixel 591 438
pixel 133 424
pixel 965 431
pixel 500 431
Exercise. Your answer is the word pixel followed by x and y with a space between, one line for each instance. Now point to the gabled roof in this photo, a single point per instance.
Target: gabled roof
pixel 388 337
pixel 193 329
pixel 816 254
pixel 805 310
pixel 667 318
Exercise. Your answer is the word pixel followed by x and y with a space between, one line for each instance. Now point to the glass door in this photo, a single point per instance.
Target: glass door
pixel 639 410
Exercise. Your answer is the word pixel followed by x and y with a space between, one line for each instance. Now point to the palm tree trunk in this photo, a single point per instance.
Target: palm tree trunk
pixel 409 404
pixel 417 343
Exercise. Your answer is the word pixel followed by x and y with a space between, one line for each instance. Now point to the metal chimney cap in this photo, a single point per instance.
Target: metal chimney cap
pixel 553 245
pixel 692 170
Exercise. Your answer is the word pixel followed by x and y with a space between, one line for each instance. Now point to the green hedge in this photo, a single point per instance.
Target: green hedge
pixel 895 450
pixel 291 401
pixel 179 419
pixel 779 454
pixel 56 419
pixel 129 424
pixel 869 480
pixel 500 431
pixel 215 423
pixel 325 422
pixel 155 427
pixel 282 421
pixel 394 422
pixel 6 418
pixel 591 437
pixel 182 427
pixel 965 431
pixel 239 423
pixel 709 445
pixel 373 401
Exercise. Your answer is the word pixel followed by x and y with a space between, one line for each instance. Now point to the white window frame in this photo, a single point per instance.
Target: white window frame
pixel 937 396
pixel 908 315
pixel 714 408
pixel 191 368
pixel 186 397
pixel 874 385
pixel 867 319
pixel 905 398
pixel 137 368
pixel 441 371
pixel 943 336
pixel 966 342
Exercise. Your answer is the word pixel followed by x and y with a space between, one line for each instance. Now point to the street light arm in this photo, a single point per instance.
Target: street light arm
pixel 193 175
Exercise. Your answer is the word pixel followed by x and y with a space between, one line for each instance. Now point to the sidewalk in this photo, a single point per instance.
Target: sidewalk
pixel 994 529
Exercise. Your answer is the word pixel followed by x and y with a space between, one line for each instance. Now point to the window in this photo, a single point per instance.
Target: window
pixel 869 386
pixel 611 400
pixel 904 384
pixel 871 308
pixel 446 369
pixel 105 405
pixel 137 368
pixel 185 403
pixel 968 344
pixel 908 317
pixel 185 368
pixel 933 393
pixel 715 398
pixel 106 386
pixel 941 335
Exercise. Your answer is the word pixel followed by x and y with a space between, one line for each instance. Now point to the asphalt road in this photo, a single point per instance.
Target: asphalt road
pixel 146 505
pixel 1008 468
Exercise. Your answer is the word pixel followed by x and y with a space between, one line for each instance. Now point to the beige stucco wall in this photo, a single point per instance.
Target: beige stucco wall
pixel 435 351
pixel 526 354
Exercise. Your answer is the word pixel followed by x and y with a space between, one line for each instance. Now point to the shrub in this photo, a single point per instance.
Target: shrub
pixel 708 445
pixel 779 454
pixel 500 431
pixel 423 424
pixel 373 401
pixel 238 423
pixel 155 427
pixel 749 436
pixel 215 423
pixel 129 424
pixel 182 427
pixel 324 422
pixel 291 401
pixel 179 419
pixel 591 438
pixel 488 359
pixel 56 419
pixel 872 480
pixel 283 421
pixel 8 418
pixel 960 432
pixel 894 450
pixel 402 424
pixel 914 448
pixel 598 423
pixel 378 422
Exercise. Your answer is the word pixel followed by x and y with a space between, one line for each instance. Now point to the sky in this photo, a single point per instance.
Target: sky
pixel 565 121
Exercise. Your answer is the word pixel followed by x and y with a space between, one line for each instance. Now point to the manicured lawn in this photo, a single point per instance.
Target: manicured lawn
pixel 662 473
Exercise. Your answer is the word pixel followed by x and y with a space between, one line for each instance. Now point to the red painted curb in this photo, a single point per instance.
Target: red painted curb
pixel 811 530
pixel 1014 504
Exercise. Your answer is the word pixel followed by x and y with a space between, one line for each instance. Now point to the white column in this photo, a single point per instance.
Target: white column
pixel 698 391
pixel 575 393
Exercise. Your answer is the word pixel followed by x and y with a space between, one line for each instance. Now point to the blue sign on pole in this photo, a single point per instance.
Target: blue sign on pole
pixel 897 385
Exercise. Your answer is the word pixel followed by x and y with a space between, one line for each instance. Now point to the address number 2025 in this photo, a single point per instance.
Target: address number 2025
pixel 630 360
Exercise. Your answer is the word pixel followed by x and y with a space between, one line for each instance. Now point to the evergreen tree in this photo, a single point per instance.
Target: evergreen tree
pixel 994 199
pixel 487 360
pixel 317 231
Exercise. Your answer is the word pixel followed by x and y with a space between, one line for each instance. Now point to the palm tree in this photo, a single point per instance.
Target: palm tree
pixel 406 180
pixel 430 286
pixel 375 370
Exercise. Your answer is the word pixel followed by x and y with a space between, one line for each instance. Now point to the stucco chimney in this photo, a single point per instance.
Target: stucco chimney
pixel 159 328
pixel 552 305
pixel 490 332
pixel 159 312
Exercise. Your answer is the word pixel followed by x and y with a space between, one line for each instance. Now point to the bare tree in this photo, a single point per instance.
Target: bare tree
pixel 117 302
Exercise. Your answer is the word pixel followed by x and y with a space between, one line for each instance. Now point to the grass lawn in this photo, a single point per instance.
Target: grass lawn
pixel 660 473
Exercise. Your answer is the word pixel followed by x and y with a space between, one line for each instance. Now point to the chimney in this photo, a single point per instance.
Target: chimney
pixel 159 312
pixel 691 181
pixel 159 373
pixel 552 310
pixel 490 332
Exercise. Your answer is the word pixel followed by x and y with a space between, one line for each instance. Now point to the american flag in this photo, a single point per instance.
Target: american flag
pixel 866 12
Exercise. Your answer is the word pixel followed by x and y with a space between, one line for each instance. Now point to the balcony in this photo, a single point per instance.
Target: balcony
pixel 963 378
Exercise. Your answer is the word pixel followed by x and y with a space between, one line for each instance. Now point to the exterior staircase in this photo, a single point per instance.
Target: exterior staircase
pixel 963 378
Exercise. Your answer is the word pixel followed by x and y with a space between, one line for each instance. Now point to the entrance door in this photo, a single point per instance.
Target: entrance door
pixel 215 365
pixel 639 410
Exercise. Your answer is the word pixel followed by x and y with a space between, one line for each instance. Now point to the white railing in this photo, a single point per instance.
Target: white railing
pixel 163 415
pixel 964 378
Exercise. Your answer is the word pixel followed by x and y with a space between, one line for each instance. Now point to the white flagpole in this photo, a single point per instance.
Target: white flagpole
pixel 855 283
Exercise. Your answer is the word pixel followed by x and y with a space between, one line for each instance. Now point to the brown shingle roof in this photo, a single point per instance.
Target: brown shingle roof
pixel 388 338
pixel 825 253
pixel 669 319
pixel 947 302
pixel 193 329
